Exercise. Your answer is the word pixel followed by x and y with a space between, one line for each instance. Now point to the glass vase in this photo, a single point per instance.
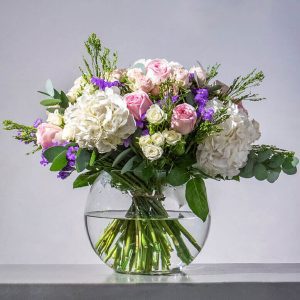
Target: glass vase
pixel 143 233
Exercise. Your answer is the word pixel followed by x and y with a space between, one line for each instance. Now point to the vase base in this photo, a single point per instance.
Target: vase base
pixel 175 271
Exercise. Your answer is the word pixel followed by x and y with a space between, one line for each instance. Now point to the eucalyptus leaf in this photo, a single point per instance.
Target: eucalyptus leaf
pixel 52 152
pixel 178 176
pixel 140 66
pixel 144 171
pixel 50 102
pixel 53 109
pixel 129 164
pixel 121 156
pixel 276 161
pixel 59 162
pixel 273 175
pixel 264 155
pixel 83 157
pixel 247 171
pixel 93 158
pixel 64 100
pixel 260 172
pixel 49 87
pixel 85 179
pixel 196 197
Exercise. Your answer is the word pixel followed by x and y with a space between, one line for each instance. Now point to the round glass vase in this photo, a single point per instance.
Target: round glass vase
pixel 143 233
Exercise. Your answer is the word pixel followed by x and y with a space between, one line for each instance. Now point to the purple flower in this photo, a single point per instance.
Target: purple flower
pixel 44 162
pixel 37 122
pixel 201 97
pixel 208 114
pixel 175 98
pixel 71 153
pixel 102 83
pixel 205 114
pixel 145 132
pixel 63 174
pixel 127 142
pixel 191 76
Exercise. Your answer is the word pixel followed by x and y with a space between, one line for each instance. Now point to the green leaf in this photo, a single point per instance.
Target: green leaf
pixel 43 93
pixel 85 179
pixel 178 176
pixel 53 109
pixel 64 100
pixel 49 88
pixel 129 164
pixel 260 172
pixel 276 161
pixel 273 175
pixel 185 161
pixel 121 156
pixel 140 66
pixel 83 158
pixel 289 165
pixel 247 171
pixel 59 162
pixel 144 171
pixel 190 99
pixel 52 152
pixel 50 102
pixel 195 194
pixel 264 155
pixel 93 158
pixel 56 94
pixel 295 161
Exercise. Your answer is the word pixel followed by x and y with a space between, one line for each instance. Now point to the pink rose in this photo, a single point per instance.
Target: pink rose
pixel 117 74
pixel 134 73
pixel 181 75
pixel 184 118
pixel 158 70
pixel 48 135
pixel 137 103
pixel 155 90
pixel 143 83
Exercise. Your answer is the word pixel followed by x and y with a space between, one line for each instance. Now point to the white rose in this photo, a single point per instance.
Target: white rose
pixel 171 136
pixel 152 152
pixel 158 139
pixel 145 140
pixel 200 73
pixel 155 114
pixel 76 90
pixel 68 133
pixel 55 118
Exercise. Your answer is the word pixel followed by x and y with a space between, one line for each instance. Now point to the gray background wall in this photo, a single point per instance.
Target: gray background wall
pixel 41 217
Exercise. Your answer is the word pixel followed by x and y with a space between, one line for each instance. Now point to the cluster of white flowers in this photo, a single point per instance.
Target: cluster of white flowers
pixel 151 145
pixel 155 115
pixel 100 120
pixel 226 152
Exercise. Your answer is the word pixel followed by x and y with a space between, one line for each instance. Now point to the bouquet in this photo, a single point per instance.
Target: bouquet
pixel 152 125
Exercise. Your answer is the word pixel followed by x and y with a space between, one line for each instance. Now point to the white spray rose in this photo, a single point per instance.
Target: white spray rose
pixel 226 152
pixel 100 120
pixel 200 73
pixel 76 90
pixel 55 118
pixel 152 152
pixel 158 139
pixel 155 114
pixel 68 133
pixel 171 136
pixel 145 140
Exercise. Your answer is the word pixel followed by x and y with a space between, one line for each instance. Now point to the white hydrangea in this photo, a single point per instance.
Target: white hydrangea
pixel 226 152
pixel 100 120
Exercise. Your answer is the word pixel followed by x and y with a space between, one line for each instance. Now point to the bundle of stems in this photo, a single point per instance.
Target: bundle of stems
pixel 145 239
